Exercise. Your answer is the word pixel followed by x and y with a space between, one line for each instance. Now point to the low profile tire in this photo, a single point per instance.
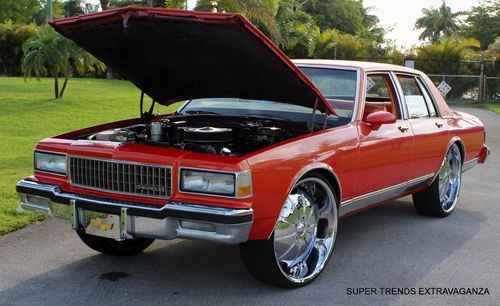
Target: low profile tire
pixel 113 247
pixel 441 197
pixel 303 239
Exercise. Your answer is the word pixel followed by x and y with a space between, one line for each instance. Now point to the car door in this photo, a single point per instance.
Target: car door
pixel 429 130
pixel 385 150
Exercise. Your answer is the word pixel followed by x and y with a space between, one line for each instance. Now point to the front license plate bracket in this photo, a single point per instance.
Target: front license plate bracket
pixel 103 225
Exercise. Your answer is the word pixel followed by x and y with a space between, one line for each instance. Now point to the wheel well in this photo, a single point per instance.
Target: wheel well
pixel 461 147
pixel 332 179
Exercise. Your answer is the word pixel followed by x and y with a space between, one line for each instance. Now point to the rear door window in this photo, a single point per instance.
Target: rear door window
pixel 428 99
pixel 414 97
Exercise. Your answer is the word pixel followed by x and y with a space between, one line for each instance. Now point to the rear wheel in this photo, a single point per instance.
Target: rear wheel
pixel 303 239
pixel 113 247
pixel 441 197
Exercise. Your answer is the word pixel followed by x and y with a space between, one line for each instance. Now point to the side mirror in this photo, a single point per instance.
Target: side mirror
pixel 379 118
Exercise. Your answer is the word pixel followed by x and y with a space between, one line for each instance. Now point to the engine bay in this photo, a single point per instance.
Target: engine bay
pixel 220 135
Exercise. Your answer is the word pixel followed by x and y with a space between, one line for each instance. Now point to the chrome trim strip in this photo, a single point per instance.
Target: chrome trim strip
pixel 469 164
pixel 380 195
pixel 124 162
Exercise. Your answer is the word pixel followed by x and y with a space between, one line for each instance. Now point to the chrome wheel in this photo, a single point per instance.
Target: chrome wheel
pixel 306 230
pixel 450 179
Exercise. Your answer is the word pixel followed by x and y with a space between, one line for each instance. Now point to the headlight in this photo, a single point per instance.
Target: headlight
pixel 237 184
pixel 50 162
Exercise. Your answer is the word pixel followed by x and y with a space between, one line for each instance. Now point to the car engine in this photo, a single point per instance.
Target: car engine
pixel 227 136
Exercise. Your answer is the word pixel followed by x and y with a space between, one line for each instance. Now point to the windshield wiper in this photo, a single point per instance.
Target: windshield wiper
pixel 266 116
pixel 200 112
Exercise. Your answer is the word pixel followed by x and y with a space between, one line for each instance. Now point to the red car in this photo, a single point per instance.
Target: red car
pixel 265 152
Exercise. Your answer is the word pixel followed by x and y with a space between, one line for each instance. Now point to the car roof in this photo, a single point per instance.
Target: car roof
pixel 354 64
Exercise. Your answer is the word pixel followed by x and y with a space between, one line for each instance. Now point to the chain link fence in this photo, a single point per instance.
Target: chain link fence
pixel 471 81
pixel 467 88
pixel 463 87
pixel 492 89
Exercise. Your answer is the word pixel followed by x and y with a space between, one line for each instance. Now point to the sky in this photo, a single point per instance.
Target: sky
pixel 402 14
pixel 399 15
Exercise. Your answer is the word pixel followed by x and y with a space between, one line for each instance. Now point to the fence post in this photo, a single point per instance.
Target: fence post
pixel 49 10
pixel 485 88
pixel 482 81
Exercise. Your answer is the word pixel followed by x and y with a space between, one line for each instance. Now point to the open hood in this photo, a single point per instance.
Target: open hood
pixel 175 55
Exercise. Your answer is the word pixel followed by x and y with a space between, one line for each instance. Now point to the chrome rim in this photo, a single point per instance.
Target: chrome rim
pixel 306 230
pixel 450 179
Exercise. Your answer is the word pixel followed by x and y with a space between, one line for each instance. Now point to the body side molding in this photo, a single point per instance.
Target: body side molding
pixel 377 196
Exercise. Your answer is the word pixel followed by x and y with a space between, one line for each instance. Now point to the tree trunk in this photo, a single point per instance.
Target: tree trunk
pixel 104 4
pixel 63 87
pixel 56 87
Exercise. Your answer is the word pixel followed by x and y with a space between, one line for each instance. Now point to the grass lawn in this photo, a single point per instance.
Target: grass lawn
pixel 28 113
pixel 494 107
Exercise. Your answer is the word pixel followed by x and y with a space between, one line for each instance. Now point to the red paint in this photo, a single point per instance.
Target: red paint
pixel 364 158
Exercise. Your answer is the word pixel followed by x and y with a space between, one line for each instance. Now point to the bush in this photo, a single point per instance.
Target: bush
pixel 12 38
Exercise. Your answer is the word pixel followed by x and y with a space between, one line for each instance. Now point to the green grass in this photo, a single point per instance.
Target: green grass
pixel 28 113
pixel 494 107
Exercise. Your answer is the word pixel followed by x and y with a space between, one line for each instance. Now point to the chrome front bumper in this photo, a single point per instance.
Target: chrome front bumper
pixel 173 220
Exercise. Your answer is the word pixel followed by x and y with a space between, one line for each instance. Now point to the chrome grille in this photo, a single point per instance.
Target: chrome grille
pixel 121 177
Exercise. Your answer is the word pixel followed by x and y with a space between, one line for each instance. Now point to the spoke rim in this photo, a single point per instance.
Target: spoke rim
pixel 450 176
pixel 306 230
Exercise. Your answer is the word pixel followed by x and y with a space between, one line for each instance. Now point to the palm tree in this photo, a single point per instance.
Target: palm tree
pixel 260 12
pixel 335 44
pixel 437 23
pixel 297 31
pixel 49 53
pixel 442 57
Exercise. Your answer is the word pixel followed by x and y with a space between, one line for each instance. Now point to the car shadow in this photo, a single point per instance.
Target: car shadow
pixel 388 246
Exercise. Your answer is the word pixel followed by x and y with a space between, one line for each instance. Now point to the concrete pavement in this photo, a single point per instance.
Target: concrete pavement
pixel 389 246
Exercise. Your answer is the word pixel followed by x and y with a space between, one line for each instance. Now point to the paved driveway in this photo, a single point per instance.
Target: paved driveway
pixel 388 246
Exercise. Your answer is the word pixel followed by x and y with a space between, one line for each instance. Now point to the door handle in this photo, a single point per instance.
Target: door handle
pixel 403 128
pixel 439 124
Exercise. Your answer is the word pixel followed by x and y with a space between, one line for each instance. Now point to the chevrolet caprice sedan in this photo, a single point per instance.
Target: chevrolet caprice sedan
pixel 265 152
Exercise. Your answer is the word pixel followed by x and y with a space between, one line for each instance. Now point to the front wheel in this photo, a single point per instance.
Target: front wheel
pixel 441 197
pixel 303 238
pixel 113 247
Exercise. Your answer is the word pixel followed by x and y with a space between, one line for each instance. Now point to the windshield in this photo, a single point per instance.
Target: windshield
pixel 338 86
